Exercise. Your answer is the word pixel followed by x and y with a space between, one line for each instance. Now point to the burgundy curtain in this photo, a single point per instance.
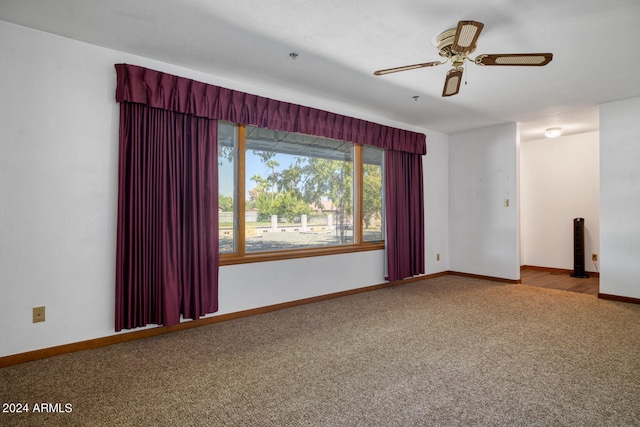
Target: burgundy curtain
pixel 167 243
pixel 167 250
pixel 404 210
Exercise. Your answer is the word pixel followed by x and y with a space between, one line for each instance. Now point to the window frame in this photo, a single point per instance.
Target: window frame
pixel 240 256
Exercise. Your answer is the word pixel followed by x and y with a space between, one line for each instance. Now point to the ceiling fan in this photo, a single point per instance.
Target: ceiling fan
pixel 457 43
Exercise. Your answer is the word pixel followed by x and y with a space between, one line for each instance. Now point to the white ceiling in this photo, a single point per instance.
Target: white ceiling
pixel 341 42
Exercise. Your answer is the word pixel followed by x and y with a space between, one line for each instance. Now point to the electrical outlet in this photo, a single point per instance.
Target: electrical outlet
pixel 38 314
pixel 437 257
pixel 594 257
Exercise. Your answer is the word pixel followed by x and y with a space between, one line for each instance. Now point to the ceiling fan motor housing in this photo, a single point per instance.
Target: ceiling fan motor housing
pixel 445 41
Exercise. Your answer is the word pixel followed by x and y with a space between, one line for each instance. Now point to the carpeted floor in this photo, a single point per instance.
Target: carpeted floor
pixel 448 351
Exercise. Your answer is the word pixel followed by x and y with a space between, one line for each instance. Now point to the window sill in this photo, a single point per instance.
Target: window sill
pixel 298 253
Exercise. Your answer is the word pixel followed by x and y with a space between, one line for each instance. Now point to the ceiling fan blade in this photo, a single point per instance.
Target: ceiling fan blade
pixel 452 82
pixel 516 59
pixel 466 37
pixel 407 67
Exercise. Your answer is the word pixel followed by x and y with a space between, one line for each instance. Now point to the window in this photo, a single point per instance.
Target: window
pixel 372 200
pixel 227 183
pixel 299 195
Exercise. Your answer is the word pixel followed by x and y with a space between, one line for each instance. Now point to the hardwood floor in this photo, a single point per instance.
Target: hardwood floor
pixel 548 278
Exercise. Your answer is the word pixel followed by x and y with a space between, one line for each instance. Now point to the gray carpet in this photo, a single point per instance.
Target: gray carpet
pixel 448 351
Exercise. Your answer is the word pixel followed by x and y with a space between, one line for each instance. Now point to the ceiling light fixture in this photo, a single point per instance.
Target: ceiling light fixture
pixel 553 132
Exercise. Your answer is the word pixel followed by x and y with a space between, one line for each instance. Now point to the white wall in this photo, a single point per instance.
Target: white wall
pixel 483 233
pixel 58 179
pixel 620 198
pixel 559 181
pixel 436 188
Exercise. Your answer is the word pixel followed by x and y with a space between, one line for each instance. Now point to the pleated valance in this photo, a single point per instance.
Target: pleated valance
pixel 178 94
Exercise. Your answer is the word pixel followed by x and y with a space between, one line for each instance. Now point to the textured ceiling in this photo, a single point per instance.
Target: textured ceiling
pixel 341 42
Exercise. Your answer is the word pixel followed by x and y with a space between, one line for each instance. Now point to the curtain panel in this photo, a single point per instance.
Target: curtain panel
pixel 172 93
pixel 404 211
pixel 167 252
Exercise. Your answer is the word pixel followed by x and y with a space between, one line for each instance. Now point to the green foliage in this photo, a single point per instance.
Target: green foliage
pixel 225 203
pixel 330 179
pixel 267 157
pixel 284 205
pixel 289 192
pixel 371 193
